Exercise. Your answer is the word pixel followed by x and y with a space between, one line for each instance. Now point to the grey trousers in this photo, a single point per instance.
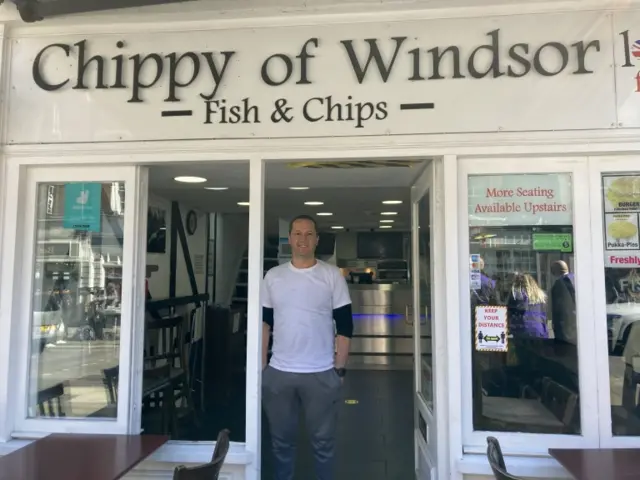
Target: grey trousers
pixel 318 394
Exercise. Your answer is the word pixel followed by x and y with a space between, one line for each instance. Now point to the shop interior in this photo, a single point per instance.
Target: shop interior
pixel 196 286
pixel 195 320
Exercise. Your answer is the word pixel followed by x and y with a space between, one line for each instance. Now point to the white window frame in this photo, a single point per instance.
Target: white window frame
pixel 597 166
pixel 524 443
pixel 26 234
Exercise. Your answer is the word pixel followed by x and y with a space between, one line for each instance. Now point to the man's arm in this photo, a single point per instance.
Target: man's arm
pixel 344 329
pixel 267 327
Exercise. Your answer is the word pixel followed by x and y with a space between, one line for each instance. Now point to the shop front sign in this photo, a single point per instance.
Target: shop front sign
pixel 444 76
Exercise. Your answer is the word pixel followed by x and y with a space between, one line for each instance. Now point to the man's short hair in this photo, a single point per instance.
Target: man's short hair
pixel 303 217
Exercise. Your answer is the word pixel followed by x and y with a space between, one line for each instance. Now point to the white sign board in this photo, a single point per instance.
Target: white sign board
pixel 621 206
pixel 491 329
pixel 489 74
pixel 626 28
pixel 520 199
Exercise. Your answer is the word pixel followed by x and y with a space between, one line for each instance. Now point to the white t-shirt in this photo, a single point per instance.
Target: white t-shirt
pixel 303 300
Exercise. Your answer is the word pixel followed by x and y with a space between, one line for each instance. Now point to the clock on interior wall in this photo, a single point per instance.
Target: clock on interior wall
pixel 192 222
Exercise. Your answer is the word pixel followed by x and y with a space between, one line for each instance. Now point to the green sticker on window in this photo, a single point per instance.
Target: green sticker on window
pixel 557 242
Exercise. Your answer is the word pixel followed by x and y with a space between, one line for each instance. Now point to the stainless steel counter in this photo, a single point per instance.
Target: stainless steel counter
pixel 383 327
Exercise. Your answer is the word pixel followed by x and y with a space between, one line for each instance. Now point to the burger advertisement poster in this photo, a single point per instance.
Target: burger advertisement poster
pixel 621 199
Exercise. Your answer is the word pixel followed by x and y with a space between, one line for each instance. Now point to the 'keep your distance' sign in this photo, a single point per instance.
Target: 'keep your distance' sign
pixel 491 329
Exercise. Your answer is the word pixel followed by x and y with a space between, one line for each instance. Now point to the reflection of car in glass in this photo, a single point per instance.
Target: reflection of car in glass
pixel 620 317
pixel 48 328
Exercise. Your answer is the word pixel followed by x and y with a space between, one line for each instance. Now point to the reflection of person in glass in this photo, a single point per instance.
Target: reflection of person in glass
pixel 526 308
pixel 487 293
pixel 563 304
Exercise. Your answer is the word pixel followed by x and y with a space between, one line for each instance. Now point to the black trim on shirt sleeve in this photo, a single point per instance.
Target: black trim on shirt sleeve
pixel 344 320
pixel 267 316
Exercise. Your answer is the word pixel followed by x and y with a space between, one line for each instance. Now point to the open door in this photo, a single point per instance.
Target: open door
pixel 423 258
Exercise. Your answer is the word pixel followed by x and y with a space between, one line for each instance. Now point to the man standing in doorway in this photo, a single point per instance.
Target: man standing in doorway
pixel 301 300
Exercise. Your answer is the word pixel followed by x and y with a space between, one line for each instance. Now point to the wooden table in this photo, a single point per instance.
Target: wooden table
pixel 76 456
pixel 600 464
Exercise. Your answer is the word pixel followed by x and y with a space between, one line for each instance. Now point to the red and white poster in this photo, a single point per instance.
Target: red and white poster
pixel 520 199
pixel 491 329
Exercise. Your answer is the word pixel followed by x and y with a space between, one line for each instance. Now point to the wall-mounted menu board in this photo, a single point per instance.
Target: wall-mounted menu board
pixel 381 245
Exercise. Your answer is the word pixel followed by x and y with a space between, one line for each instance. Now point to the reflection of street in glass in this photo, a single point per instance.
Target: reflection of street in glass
pixel 80 365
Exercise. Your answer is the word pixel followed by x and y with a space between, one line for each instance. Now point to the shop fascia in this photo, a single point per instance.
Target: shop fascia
pixel 137 72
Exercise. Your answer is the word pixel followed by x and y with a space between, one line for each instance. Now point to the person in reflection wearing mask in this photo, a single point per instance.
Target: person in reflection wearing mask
pixel 563 305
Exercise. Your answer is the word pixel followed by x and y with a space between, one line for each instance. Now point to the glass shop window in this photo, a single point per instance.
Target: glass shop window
pixel 523 304
pixel 621 207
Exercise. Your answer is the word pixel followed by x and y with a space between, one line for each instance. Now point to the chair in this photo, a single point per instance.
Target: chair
pixel 496 460
pixel 208 471
pixel 52 401
pixel 172 352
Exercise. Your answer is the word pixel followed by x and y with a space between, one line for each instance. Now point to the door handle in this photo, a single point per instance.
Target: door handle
pixel 408 315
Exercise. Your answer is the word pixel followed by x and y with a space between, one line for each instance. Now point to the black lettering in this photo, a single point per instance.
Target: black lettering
pixel 365 112
pixel 381 108
pixel 266 77
pixel 627 49
pixel 305 109
pixel 235 114
pixel 138 64
pixel 437 58
pixel 526 64
pixel 248 111
pixel 494 48
pixel 119 59
pixel 582 52
pixel 303 57
pixel 349 107
pixel 83 66
pixel 174 63
pixel 216 74
pixel 333 108
pixel 415 53
pixel 537 62
pixel 375 55
pixel 210 111
pixel 36 72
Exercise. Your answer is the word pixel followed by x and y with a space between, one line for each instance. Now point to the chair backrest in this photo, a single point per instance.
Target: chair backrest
pixel 110 380
pixel 208 471
pixel 496 460
pixel 172 342
pixel 561 401
pixel 52 401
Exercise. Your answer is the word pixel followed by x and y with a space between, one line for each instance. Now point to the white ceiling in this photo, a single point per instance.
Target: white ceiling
pixel 353 195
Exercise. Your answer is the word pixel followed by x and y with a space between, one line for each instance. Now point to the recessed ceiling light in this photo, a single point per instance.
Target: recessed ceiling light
pixel 314 203
pixel 216 188
pixel 298 188
pixel 387 221
pixel 324 214
pixel 392 202
pixel 243 204
pixel 187 179
pixel 337 227
pixel 389 213
pixel 385 226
